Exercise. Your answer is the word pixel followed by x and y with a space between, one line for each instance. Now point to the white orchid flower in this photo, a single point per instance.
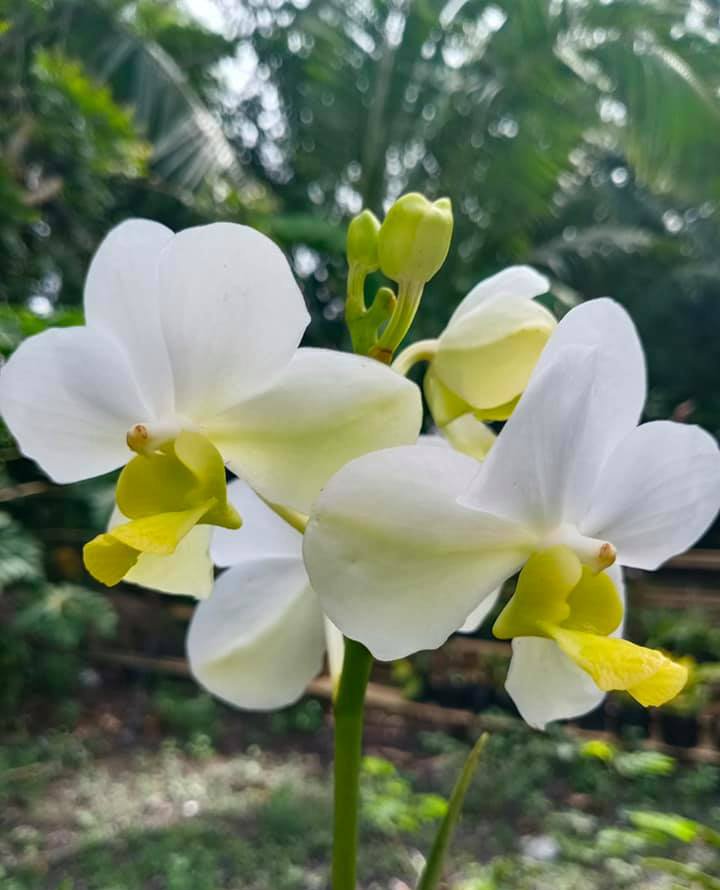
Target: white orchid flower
pixel 261 636
pixel 482 361
pixel 189 359
pixel 404 544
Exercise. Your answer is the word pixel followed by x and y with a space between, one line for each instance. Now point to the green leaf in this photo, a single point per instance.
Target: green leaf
pixel 433 867
pixel 689 872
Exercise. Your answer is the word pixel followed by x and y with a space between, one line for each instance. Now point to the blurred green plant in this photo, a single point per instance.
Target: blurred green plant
pixel 306 716
pixel 193 716
pixel 44 627
pixel 687 631
pixel 390 805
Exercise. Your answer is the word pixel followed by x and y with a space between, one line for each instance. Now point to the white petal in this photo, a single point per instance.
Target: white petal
pixel 621 385
pixel 515 283
pixel 583 398
pixel 232 315
pixel 434 440
pixel 189 570
pixel 328 408
pixel 263 533
pixel 616 573
pixel 546 685
pixel 335 645
pixel 258 640
pixel 658 493
pixel 397 563
pixel 543 465
pixel 480 613
pixel 69 397
pixel 121 299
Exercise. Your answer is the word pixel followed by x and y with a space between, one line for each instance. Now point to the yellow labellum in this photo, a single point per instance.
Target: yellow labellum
pixel 649 676
pixel 109 560
pixel 540 599
pixel 164 494
pixel 560 599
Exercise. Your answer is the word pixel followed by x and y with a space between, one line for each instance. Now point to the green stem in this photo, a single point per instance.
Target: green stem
pixel 409 295
pixel 355 303
pixel 357 664
pixel 422 351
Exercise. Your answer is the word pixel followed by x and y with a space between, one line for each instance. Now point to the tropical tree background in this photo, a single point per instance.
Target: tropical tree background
pixel 581 136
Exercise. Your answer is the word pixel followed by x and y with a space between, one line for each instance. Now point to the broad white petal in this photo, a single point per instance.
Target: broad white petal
pixel 328 408
pixel 543 465
pixel 658 493
pixel 69 397
pixel 515 283
pixel 621 384
pixel 580 402
pixel 121 299
pixel 480 613
pixel 397 562
pixel 232 315
pixel 263 533
pixel 259 638
pixel 546 685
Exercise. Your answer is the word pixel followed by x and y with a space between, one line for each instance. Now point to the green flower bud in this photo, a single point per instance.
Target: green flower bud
pixel 362 241
pixel 415 238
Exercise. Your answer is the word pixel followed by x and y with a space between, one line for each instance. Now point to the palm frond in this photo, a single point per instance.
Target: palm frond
pixel 189 145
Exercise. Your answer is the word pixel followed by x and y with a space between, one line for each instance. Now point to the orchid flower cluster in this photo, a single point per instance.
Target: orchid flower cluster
pixel 344 527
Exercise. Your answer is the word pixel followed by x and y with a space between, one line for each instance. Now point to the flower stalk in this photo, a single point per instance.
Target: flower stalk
pixel 348 709
pixel 422 351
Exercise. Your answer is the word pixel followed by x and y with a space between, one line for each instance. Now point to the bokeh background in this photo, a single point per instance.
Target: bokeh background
pixel 581 136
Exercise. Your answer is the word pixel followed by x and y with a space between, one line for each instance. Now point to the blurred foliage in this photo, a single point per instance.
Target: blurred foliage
pixel 189 716
pixel 307 716
pixel 44 627
pixel 578 136
pixel 389 804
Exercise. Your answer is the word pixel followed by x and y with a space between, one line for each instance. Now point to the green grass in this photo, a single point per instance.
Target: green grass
pixel 206 811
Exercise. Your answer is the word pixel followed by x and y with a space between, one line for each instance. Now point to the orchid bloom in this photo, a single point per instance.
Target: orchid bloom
pixel 482 361
pixel 188 360
pixel 260 637
pixel 404 544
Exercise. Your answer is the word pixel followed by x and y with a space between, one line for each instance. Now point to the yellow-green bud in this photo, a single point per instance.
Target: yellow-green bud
pixel 488 350
pixel 362 241
pixel 415 238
